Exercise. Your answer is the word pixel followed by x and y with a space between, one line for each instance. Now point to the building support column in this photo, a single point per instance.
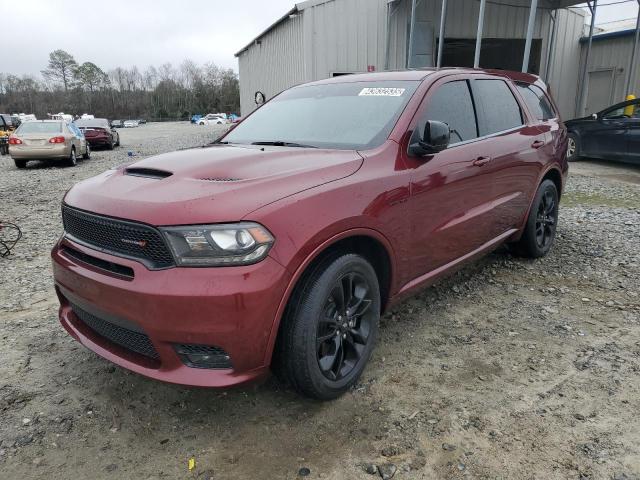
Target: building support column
pixel 548 69
pixel 628 85
pixel 443 20
pixel 527 43
pixel 476 58
pixel 411 28
pixel 582 103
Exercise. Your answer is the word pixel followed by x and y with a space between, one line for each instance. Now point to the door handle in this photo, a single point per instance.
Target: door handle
pixel 480 161
pixel 537 144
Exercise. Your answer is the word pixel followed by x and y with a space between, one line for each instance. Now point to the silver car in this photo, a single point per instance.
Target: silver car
pixel 48 139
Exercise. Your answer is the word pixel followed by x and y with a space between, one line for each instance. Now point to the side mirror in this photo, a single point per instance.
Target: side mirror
pixel 594 116
pixel 433 139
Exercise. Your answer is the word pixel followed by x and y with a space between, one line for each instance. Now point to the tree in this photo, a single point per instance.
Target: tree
pixel 62 67
pixel 90 76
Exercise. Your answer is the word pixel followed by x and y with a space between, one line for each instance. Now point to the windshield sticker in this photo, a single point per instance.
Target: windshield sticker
pixel 381 92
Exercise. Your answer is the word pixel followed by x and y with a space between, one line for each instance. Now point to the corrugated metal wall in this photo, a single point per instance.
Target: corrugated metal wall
pixel 565 59
pixel 277 63
pixel 349 35
pixel 345 36
pixel 613 53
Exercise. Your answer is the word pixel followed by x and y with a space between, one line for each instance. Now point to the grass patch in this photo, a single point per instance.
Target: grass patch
pixel 573 199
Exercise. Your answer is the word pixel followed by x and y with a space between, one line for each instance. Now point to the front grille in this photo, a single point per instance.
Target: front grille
pixel 129 239
pixel 135 341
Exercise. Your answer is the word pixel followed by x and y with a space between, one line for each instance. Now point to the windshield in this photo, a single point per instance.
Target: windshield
pixel 40 127
pixel 357 115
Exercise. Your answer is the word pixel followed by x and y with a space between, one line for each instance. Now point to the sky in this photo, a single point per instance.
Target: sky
pixel 152 32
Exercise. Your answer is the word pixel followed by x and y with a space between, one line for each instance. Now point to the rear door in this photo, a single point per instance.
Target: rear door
pixel 513 142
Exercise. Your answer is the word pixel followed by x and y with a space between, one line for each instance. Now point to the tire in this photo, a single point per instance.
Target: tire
pixel 573 147
pixel 540 229
pixel 20 163
pixel 324 343
pixel 72 161
pixel 118 141
pixel 87 154
pixel 111 145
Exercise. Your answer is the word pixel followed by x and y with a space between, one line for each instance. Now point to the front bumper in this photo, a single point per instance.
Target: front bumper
pixel 233 308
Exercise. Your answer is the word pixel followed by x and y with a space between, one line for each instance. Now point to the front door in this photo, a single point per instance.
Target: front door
pixel 450 190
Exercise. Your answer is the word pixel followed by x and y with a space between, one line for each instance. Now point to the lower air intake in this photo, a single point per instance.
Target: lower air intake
pixel 202 356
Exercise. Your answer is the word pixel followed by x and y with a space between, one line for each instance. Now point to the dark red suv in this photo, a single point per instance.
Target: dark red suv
pixel 281 243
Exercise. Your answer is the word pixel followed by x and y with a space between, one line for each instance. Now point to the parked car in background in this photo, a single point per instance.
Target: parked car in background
pixel 130 123
pixel 24 117
pixel 212 119
pixel 86 116
pixel 99 133
pixel 48 140
pixel 347 194
pixel 117 123
pixel 142 121
pixel 7 126
pixel 611 134
pixel 195 118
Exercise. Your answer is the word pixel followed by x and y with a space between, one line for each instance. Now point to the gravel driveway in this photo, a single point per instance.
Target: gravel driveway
pixel 509 369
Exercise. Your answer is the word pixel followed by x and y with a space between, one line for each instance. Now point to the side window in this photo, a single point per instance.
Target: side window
pixel 498 109
pixel 537 101
pixel 451 103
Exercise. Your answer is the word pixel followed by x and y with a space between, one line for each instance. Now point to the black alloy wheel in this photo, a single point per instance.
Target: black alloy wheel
pixel 540 230
pixel 546 219
pixel 345 326
pixel 330 327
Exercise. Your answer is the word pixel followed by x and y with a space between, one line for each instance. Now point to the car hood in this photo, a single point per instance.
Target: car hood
pixel 209 185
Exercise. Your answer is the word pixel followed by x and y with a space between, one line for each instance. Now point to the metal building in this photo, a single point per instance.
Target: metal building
pixel 610 71
pixel 322 38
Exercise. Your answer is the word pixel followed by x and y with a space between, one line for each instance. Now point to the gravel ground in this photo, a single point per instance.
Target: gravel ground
pixel 509 369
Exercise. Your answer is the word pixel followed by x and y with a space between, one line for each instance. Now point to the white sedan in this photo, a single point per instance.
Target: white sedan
pixel 131 123
pixel 212 120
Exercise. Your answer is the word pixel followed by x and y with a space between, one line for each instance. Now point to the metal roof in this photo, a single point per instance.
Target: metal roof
pixel 606 35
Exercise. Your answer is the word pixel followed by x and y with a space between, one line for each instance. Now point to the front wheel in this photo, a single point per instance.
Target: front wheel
pixel 540 229
pixel 573 147
pixel 87 153
pixel 330 327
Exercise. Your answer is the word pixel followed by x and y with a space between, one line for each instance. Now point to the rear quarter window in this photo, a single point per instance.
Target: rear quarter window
pixel 537 101
pixel 498 109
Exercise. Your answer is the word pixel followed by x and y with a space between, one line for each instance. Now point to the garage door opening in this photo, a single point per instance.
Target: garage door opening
pixel 500 53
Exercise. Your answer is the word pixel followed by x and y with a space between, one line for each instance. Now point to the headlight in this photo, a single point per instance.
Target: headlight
pixel 218 245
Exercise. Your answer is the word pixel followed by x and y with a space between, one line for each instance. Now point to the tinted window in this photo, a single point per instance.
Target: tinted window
pixel 498 109
pixel 537 101
pixel 451 103
pixel 351 115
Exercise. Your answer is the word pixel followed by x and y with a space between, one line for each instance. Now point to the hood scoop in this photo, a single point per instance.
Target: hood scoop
pixel 147 173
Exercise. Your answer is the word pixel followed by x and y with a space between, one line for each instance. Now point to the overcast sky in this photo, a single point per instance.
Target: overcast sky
pixel 151 32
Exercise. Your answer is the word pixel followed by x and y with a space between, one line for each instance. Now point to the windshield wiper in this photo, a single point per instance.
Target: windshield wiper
pixel 280 143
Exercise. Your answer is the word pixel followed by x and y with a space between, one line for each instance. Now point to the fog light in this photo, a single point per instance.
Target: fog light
pixel 203 356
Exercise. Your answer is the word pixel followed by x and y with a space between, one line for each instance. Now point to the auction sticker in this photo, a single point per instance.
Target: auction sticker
pixel 381 92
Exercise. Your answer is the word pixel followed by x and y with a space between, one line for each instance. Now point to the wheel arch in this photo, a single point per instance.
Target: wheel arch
pixel 370 244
